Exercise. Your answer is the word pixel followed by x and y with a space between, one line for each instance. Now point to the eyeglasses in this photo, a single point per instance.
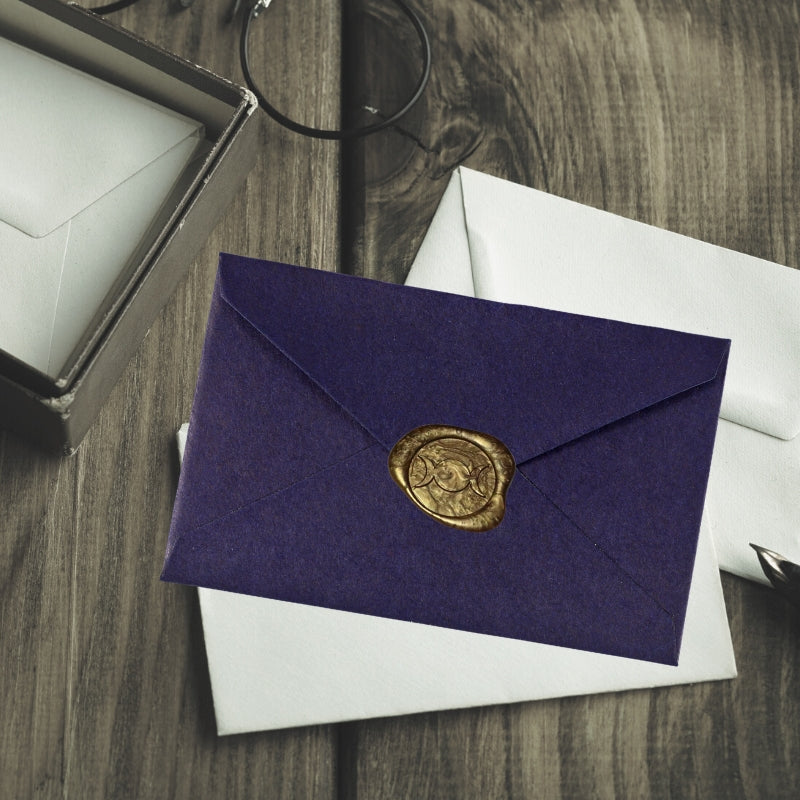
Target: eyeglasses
pixel 256 7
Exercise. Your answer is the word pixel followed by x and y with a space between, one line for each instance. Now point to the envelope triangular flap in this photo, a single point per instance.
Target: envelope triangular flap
pixel 71 139
pixel 397 357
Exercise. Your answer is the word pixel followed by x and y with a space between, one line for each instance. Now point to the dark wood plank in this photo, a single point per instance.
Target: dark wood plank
pixel 677 114
pixel 103 680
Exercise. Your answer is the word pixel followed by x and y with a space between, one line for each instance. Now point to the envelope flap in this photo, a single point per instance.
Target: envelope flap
pixel 68 138
pixel 397 357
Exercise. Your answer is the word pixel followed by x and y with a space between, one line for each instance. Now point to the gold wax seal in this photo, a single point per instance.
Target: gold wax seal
pixel 456 476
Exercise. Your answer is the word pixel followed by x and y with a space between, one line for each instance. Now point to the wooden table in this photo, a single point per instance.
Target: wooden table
pixel 682 114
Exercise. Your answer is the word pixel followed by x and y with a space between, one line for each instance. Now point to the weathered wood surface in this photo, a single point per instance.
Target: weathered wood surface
pixel 680 114
pixel 104 687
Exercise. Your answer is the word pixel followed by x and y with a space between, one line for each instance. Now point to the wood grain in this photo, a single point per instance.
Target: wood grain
pixel 681 115
pixel 104 685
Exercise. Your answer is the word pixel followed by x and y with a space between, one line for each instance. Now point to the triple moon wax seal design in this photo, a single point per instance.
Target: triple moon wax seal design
pixel 456 476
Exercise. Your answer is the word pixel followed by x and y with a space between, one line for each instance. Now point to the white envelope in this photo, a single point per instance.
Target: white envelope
pixel 501 241
pixel 275 664
pixel 85 168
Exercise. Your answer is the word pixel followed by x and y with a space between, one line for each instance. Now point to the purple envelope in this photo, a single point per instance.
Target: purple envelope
pixel 309 379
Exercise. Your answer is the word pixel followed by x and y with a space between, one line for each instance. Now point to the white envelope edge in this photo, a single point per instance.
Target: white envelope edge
pixel 274 664
pixel 754 483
